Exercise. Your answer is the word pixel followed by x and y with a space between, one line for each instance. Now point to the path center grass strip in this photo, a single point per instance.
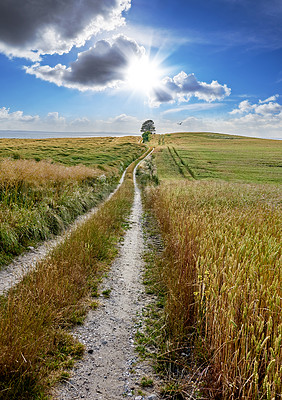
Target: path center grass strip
pixel 35 315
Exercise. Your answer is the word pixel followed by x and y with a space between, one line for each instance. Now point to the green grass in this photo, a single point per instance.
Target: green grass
pixel 218 156
pixel 105 152
pixel 35 347
pixel 39 198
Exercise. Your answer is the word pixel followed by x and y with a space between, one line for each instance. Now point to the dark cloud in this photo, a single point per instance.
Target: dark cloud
pixel 104 65
pixel 182 87
pixel 50 26
pixel 162 96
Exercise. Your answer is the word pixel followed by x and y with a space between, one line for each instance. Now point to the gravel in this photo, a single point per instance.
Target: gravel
pixel 110 368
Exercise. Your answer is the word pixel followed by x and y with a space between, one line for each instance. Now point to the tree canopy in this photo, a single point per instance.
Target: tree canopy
pixel 148 126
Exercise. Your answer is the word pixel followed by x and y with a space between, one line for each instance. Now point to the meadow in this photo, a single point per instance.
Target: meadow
pixel 36 348
pixel 46 184
pixel 104 153
pixel 217 156
pixel 218 208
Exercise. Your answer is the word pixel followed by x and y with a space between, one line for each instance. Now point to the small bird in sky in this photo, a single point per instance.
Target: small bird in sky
pixel 179 123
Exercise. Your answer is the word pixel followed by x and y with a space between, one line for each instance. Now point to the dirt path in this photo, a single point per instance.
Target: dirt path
pixel 108 333
pixel 14 272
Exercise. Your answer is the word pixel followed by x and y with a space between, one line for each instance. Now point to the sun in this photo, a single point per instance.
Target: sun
pixel 143 74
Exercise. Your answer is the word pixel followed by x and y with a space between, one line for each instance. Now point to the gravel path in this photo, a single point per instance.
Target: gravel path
pixel 108 332
pixel 14 272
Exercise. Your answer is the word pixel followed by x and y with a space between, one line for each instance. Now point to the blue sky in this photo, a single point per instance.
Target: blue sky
pixel 190 65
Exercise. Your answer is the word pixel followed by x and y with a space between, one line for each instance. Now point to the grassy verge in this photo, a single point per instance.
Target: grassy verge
pixel 220 272
pixel 35 346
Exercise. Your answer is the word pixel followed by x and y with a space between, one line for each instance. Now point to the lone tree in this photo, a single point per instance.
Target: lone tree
pixel 148 126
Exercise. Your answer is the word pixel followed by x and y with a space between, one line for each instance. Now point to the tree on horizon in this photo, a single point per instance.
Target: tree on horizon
pixel 148 126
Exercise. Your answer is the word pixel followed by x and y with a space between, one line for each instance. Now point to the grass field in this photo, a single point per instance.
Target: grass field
pixel 109 153
pixel 46 184
pixel 218 156
pixel 36 349
pixel 219 211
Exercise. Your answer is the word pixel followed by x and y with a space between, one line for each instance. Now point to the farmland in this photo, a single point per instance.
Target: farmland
pixel 46 184
pixel 218 156
pixel 215 201
pixel 36 347
pixel 219 212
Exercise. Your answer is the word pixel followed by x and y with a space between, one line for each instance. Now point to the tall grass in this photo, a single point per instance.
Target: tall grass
pixel 222 272
pixel 32 317
pixel 106 153
pixel 39 199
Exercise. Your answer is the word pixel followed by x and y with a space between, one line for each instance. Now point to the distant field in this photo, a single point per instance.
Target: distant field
pixel 219 156
pixel 102 152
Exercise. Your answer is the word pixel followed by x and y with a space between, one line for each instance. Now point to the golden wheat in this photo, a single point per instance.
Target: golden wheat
pixel 223 274
pixel 42 172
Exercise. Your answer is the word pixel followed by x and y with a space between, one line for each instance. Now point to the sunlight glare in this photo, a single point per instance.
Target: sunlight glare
pixel 143 74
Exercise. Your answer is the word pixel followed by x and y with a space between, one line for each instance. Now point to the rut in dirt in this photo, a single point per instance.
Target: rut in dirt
pixel 108 333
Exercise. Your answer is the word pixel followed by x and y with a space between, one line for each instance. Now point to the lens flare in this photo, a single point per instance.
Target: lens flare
pixel 143 74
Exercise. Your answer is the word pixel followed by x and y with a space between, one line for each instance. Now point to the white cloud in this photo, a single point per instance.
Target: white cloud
pixel 30 28
pixel 271 98
pixel 55 118
pixel 263 119
pixel 182 87
pixel 263 107
pixel 102 66
pixel 80 123
pixel 193 107
pixel 123 118
pixel 17 116
pixel 54 122
pixel 269 108
pixel 243 107
pixel 251 125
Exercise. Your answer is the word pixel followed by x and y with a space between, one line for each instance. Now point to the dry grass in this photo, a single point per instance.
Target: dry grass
pixel 39 199
pixel 222 271
pixel 46 184
pixel 13 172
pixel 32 342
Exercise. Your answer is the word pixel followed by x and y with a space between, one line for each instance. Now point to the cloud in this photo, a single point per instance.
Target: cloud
pixel 29 28
pixel 17 120
pixel 262 119
pixel 243 107
pixel 193 107
pixel 182 87
pixel 54 117
pixel 263 107
pixel 271 98
pixel 54 122
pixel 269 108
pixel 82 122
pixel 123 118
pixel 102 66
pixel 16 116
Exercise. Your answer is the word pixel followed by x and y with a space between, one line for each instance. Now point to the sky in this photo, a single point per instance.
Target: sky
pixel 109 65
